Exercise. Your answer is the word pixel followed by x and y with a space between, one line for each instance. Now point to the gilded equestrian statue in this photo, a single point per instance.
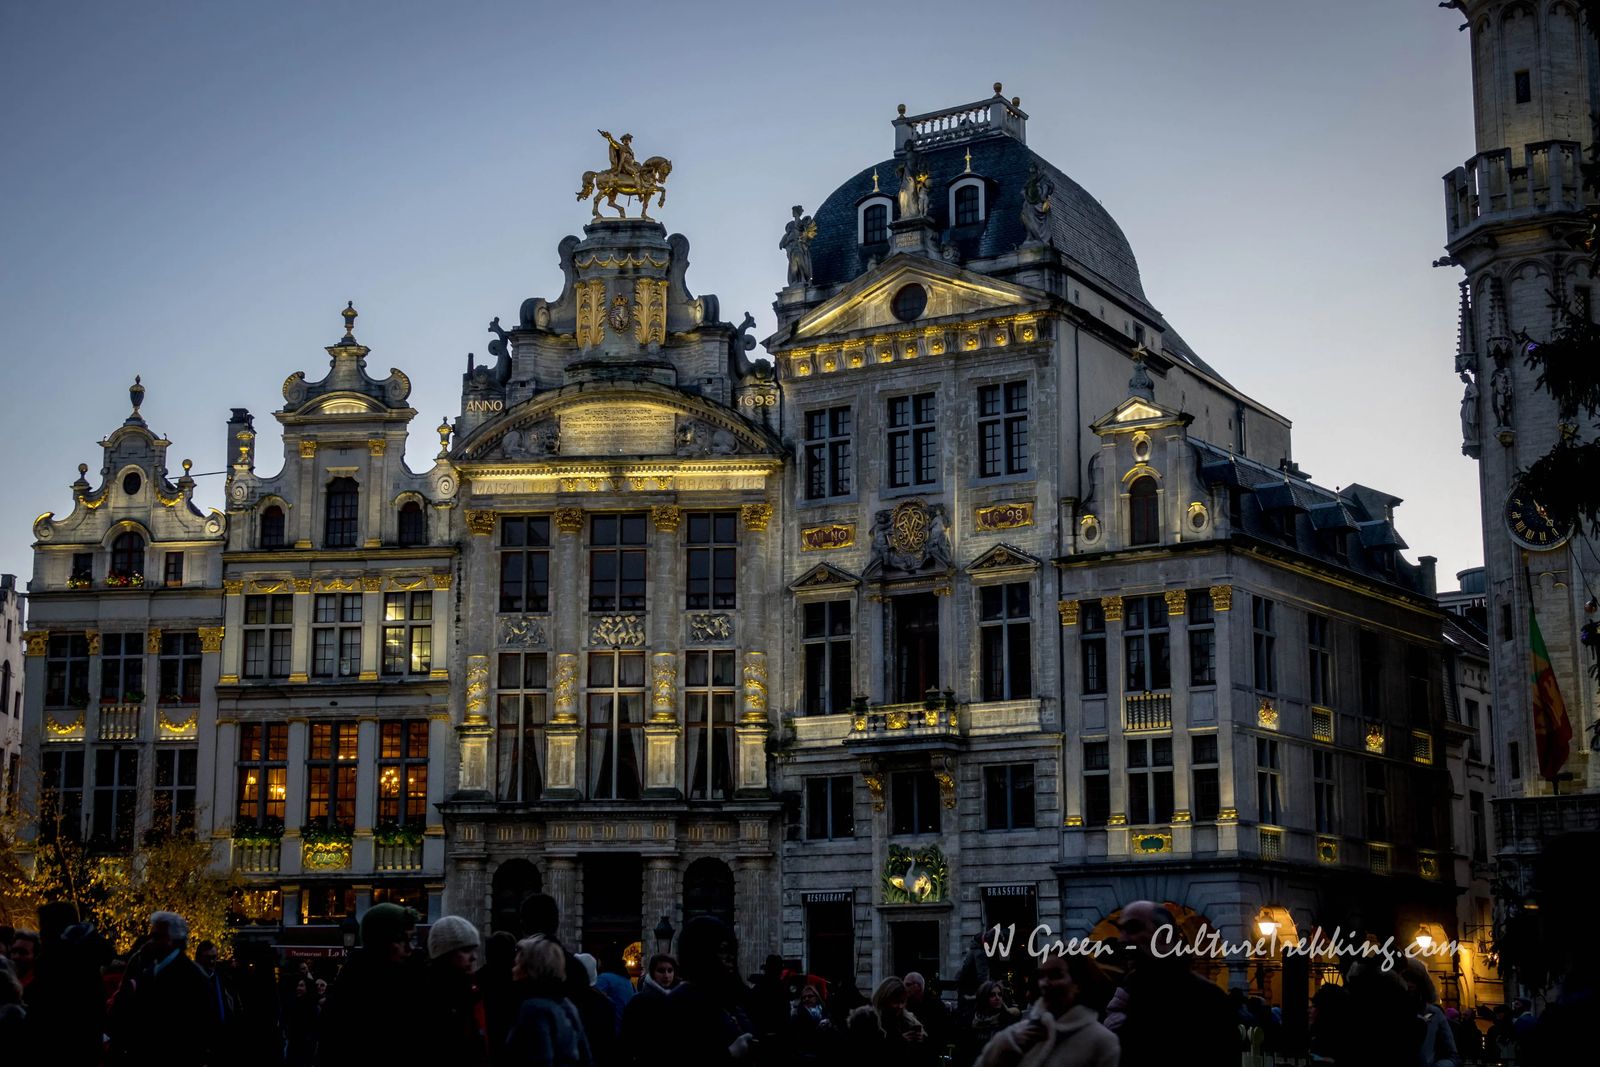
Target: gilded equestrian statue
pixel 626 178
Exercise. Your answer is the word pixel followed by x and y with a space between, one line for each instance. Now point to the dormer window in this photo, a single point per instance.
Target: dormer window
pixel 413 524
pixel 272 527
pixel 344 500
pixel 1144 513
pixel 967 202
pixel 873 221
pixel 127 556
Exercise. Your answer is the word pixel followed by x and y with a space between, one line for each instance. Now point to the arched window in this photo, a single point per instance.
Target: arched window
pixel 413 524
pixel 1144 516
pixel 968 206
pixel 875 224
pixel 344 501
pixel 708 890
pixel 127 555
pixel 272 527
pixel 514 882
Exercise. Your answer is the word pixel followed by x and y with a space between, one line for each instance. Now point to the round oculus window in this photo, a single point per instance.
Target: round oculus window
pixel 131 482
pixel 910 302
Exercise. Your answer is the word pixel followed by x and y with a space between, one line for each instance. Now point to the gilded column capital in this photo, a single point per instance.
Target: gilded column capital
pixel 210 639
pixel 756 516
pixel 1222 598
pixel 1112 606
pixel 442 581
pixel 755 687
pixel 152 641
pixel 565 688
pixel 308 449
pixel 93 637
pixel 664 687
pixel 477 690
pixel 1177 601
pixel 666 517
pixel 233 586
pixel 480 523
pixel 1069 612
pixel 38 641
pixel 377 446
pixel 302 585
pixel 569 520
pixel 372 584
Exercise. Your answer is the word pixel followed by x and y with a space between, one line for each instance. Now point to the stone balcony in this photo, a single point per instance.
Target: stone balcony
pixel 257 857
pixel 1524 824
pixel 1147 711
pixel 1491 187
pixel 397 857
pixel 120 722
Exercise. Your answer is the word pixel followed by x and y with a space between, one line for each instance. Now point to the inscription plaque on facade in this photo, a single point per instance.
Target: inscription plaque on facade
pixel 1005 516
pixel 831 535
pixel 617 430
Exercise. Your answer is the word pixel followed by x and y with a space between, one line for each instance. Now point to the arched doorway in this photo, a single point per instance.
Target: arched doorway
pixel 1189 923
pixel 514 882
pixel 708 890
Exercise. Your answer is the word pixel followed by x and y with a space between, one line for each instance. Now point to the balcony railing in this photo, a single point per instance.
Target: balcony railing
pixel 256 857
pixel 1523 824
pixel 1489 184
pixel 916 719
pixel 1148 711
pixel 401 857
pixel 1322 724
pixel 120 722
pixel 1271 843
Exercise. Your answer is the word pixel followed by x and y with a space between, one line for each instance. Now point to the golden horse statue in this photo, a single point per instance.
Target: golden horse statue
pixel 642 182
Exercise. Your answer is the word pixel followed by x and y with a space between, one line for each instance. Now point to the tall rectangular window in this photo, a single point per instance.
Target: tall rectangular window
pixel 913 443
pixel 1008 801
pixel 1096 783
pixel 522 691
pixel 1005 628
pixel 1202 639
pixel 1514 760
pixel 709 692
pixel 177 772
pixel 1480 827
pixel 1419 685
pixel 1269 787
pixel 825 638
pixel 1146 643
pixel 408 633
pixel 336 635
pixel 1370 666
pixel 616 562
pixel 525 564
pixel 1523 85
pixel 82 568
pixel 66 670
pixel 179 667
pixel 263 773
pixel 331 775
pixel 1092 646
pixel 1206 803
pixel 268 635
pixel 403 773
pixel 172 570
pixel 1377 802
pixel 116 798
pixel 343 514
pixel 713 559
pixel 1324 791
pixel 1149 780
pixel 830 808
pixel 61 794
pixel 121 668
pixel 1319 661
pixel 829 461
pixel 1474 742
pixel 616 722
pixel 1265 644
pixel 913 803
pixel 1002 429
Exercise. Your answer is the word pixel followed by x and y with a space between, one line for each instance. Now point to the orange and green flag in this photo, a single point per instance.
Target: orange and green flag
pixel 1552 730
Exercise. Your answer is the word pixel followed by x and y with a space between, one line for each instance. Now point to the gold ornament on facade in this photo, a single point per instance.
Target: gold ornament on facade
pixel 591 327
pixel 152 641
pixel 617 631
pixel 1222 598
pixel 233 586
pixel 569 520
pixel 650 310
pixel 1112 606
pixel 566 688
pixel 377 446
pixel 372 584
pixel 63 729
pixel 664 687
pixel 302 585
pixel 1004 516
pixel 755 687
pixel 211 638
pixel 444 437
pixel 93 637
pixel 442 581
pixel 1177 601
pixel 480 523
pixel 308 449
pixel 1069 612
pixel 828 536
pixel 872 775
pixel 664 517
pixel 1267 715
pixel 38 641
pixel 477 689
pixel 756 516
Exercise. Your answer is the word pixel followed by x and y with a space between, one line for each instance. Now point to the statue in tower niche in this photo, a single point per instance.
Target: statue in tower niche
pixel 626 177
pixel 1501 394
pixel 797 238
pixel 913 185
pixel 1036 205
pixel 1469 414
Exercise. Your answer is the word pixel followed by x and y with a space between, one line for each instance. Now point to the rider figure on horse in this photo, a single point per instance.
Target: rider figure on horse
pixel 622 161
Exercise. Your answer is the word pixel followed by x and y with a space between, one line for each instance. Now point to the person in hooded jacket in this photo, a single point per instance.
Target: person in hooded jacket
pixel 1062 1028
pixel 706 1012
pixel 644 1019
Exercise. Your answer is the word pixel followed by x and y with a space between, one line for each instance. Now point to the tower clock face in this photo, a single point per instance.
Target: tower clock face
pixel 1530 526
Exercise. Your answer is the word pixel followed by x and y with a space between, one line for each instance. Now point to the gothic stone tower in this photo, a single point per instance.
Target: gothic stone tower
pixel 1514 214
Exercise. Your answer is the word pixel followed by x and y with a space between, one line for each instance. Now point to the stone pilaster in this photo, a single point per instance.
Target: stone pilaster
pixel 660 898
pixel 755 910
pixel 561 882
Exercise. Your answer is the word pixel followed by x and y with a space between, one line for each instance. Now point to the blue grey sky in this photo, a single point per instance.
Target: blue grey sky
pixel 191 192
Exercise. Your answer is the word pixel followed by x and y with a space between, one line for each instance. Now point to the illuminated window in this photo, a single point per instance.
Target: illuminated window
pixel 331 775
pixel 263 773
pixel 403 773
pixel 408 633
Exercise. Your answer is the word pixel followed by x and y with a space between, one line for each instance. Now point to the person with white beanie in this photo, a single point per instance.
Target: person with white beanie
pixel 453 1030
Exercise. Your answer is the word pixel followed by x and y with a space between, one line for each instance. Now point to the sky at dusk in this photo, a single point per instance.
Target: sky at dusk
pixel 192 191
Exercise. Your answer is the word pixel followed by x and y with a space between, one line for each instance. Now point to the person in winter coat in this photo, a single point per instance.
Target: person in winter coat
pixel 453 1027
pixel 810 1037
pixel 383 980
pixel 883 1031
pixel 706 1015
pixel 1062 1028
pixel 548 1032
pixel 644 1019
pixel 1163 1013
pixel 14 1031
pixel 162 986
pixel 1438 1047
pixel 990 1015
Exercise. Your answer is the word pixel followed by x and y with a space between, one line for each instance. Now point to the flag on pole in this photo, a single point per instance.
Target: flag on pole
pixel 1552 730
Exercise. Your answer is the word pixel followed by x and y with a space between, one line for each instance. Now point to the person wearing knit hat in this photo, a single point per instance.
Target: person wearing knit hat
pixel 453 934
pixel 590 965
pixel 450 1030
pixel 387 925
pixel 381 979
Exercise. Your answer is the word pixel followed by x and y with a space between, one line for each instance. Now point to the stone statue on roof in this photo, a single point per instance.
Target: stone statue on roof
pixel 1501 393
pixel 797 238
pixel 1036 205
pixel 913 185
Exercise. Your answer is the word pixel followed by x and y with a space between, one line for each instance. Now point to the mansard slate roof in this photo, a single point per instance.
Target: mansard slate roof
pixel 1266 494
pixel 1083 230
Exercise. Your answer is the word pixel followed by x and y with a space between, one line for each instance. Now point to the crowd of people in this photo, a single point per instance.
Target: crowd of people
pixel 451 998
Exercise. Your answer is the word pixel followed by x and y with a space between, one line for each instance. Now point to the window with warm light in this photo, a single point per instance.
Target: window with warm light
pixel 408 633
pixel 263 773
pixel 331 775
pixel 403 773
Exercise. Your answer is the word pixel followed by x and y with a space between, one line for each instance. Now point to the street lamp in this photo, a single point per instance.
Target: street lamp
pixel 349 929
pixel 664 932
pixel 1425 943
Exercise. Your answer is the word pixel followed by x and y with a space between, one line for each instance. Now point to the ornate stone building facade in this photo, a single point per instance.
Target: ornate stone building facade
pixel 620 481
pixel 11 674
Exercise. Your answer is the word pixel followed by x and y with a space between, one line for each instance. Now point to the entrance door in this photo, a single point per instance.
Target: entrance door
pixel 830 940
pixel 515 881
pixel 916 646
pixel 915 947
pixel 613 901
